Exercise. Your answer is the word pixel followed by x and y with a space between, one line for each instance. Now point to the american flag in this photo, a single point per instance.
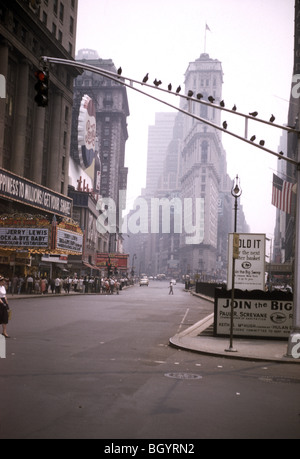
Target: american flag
pixel 282 194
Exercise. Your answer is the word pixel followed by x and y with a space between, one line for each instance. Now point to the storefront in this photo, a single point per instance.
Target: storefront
pixel 37 233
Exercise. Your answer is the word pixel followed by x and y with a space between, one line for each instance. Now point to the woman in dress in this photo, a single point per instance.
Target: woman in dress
pixel 3 307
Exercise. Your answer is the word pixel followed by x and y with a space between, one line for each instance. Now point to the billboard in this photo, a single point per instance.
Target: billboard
pixel 250 264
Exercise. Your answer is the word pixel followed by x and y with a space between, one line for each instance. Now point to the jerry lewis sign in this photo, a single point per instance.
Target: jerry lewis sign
pixel 250 263
pixel 255 315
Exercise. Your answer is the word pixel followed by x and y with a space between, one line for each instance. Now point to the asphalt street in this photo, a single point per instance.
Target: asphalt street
pixel 100 367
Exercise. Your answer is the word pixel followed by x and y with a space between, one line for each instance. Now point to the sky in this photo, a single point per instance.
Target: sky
pixel 254 40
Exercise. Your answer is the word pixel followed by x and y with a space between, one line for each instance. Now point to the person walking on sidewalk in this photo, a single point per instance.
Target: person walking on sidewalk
pixel 171 288
pixel 4 308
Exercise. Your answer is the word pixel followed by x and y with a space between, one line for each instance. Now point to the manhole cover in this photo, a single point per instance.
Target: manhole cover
pixel 183 376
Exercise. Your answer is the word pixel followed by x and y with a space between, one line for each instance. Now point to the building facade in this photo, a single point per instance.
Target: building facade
pixel 104 174
pixel 35 141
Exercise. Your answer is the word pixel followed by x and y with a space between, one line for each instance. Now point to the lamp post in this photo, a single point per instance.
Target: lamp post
pixel 236 192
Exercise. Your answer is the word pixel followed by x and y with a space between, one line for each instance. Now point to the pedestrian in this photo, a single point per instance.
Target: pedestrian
pixel 171 288
pixel 52 285
pixel 57 285
pixel 4 308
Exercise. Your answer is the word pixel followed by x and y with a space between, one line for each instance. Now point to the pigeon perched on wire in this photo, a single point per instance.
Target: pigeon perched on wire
pixel 261 142
pixel 190 93
pixel 225 125
pixel 157 83
pixel 120 71
pixel 199 95
pixel 146 78
pixel 169 87
pixel 178 89
pixel 211 99
pixel 272 119
pixel 253 114
pixel 253 138
pixel 222 103
pixel 234 108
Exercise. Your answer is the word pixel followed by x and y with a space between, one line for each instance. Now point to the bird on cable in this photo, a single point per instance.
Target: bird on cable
pixel 281 153
pixel 157 83
pixel 190 93
pixel 199 95
pixel 169 87
pixel 253 114
pixel 253 138
pixel 146 77
pixel 222 103
pixel 120 71
pixel 234 108
pixel 261 142
pixel 225 125
pixel 272 119
pixel 211 99
pixel 178 89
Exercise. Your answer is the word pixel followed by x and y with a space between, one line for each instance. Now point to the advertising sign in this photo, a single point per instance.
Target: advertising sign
pixel 254 317
pixel 86 132
pixel 69 241
pixel 116 260
pixel 24 237
pixel 22 190
pixel 250 264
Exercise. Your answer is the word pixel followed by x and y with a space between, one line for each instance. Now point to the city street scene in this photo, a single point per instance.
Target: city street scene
pixel 149 222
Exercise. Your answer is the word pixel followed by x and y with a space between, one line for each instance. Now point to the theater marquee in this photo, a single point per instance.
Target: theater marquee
pixel 22 190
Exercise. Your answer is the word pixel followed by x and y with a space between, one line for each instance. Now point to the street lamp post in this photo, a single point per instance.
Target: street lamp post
pixel 236 193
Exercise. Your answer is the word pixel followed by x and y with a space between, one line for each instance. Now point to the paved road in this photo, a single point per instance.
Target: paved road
pixel 101 367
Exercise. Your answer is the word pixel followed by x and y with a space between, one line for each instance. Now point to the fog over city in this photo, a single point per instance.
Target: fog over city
pixel 254 42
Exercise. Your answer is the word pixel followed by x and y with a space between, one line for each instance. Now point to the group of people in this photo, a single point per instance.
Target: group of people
pixel 81 284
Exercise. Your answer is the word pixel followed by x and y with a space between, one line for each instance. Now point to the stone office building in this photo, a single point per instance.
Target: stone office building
pixel 35 141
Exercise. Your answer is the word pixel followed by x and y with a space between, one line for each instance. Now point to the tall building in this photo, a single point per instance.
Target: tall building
pixel 204 169
pixel 190 172
pixel 35 141
pixel 101 170
pixel 159 137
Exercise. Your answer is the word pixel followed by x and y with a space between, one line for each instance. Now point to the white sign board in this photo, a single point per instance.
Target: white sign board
pixel 250 265
pixel 69 241
pixel 255 318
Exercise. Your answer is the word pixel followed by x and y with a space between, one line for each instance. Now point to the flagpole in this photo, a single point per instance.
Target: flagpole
pixel 205 38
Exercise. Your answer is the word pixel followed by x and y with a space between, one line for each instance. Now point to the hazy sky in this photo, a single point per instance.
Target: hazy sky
pixel 254 40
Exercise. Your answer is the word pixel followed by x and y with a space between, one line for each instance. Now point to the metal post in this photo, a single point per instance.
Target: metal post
pixel 236 193
pixel 295 333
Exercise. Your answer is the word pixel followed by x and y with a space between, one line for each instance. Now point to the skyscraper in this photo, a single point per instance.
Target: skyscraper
pixel 204 169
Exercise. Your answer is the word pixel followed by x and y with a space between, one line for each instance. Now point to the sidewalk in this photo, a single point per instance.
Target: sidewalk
pixel 197 339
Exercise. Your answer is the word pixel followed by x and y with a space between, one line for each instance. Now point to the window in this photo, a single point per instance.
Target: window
pixel 71 25
pixel 204 152
pixel 55 7
pixel 61 12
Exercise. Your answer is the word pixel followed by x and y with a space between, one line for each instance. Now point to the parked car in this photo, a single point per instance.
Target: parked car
pixel 144 281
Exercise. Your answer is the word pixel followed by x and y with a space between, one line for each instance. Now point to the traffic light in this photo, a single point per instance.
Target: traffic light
pixel 41 88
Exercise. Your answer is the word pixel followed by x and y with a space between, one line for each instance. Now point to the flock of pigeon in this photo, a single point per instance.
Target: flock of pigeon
pixel 199 96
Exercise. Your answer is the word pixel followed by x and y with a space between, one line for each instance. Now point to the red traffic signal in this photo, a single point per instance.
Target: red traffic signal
pixel 41 87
